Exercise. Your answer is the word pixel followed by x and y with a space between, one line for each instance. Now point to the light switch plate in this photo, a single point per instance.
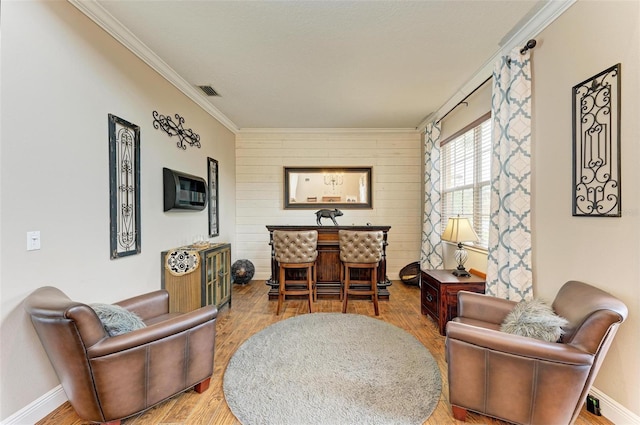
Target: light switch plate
pixel 33 240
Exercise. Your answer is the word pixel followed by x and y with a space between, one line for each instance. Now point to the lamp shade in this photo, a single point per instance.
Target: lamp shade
pixel 459 230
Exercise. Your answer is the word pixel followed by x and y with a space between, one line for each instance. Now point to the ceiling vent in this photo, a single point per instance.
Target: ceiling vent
pixel 209 91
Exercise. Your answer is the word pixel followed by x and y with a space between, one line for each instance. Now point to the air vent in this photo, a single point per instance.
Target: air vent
pixel 209 91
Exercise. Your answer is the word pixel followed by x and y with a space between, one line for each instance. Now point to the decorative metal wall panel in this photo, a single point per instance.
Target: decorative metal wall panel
pixel 186 136
pixel 124 187
pixel 214 210
pixel 596 145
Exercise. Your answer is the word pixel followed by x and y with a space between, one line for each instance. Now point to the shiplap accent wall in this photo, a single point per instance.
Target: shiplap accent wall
pixel 397 190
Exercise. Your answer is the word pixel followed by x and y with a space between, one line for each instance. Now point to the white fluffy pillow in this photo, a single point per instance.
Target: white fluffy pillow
pixel 117 320
pixel 535 319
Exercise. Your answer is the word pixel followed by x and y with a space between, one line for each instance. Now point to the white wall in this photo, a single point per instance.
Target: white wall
pixel 61 76
pixel 396 161
pixel 588 38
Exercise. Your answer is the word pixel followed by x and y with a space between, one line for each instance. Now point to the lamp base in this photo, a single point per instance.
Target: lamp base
pixel 461 272
pixel 461 258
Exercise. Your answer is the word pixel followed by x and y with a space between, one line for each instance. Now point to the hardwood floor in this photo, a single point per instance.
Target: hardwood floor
pixel 252 312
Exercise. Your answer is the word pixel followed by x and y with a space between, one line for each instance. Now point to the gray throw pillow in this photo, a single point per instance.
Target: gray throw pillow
pixel 117 320
pixel 535 319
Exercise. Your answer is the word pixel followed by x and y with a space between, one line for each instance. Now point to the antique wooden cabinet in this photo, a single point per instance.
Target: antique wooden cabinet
pixel 439 294
pixel 328 262
pixel 209 284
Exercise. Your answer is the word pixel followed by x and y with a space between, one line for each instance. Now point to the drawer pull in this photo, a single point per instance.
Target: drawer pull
pixel 429 297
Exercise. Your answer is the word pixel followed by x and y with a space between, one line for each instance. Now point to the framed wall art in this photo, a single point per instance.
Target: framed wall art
pixel 124 187
pixel 212 172
pixel 596 145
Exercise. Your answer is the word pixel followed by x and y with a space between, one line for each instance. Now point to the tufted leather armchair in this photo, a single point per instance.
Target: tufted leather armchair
pixel 360 250
pixel 108 378
pixel 525 380
pixel 296 250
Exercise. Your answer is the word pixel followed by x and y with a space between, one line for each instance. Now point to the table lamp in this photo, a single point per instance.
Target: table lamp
pixel 459 230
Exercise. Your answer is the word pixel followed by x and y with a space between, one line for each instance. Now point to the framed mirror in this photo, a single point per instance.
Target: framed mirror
pixel 327 187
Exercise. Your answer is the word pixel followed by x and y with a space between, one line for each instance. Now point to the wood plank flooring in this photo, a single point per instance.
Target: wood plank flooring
pixel 251 312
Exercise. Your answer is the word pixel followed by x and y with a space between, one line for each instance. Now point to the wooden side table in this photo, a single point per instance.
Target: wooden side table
pixel 439 294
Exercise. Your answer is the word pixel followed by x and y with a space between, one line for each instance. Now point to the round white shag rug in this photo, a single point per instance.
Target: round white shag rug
pixel 332 369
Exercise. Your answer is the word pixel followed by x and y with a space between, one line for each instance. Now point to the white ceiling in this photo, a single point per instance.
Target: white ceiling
pixel 319 64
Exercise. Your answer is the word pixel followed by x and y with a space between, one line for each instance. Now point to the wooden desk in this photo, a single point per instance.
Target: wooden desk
pixel 439 294
pixel 328 261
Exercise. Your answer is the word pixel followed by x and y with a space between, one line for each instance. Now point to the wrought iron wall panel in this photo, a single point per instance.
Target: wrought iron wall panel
pixel 214 208
pixel 186 136
pixel 124 187
pixel 596 145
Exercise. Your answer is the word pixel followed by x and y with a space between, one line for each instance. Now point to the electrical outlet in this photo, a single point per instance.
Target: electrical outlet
pixel 593 405
pixel 33 240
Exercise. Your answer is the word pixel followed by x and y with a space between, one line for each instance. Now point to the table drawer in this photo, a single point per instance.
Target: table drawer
pixel 429 296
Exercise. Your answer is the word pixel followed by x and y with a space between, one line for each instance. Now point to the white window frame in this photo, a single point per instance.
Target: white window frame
pixel 466 177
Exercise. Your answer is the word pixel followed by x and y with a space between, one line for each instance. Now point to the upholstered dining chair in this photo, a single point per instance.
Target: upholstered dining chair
pixel 108 372
pixel 522 379
pixel 296 251
pixel 360 250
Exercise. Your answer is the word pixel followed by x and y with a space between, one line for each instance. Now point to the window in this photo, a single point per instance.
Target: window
pixel 466 174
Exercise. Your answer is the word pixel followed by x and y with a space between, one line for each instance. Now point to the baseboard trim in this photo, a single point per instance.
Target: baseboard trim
pixel 614 411
pixel 43 406
pixel 38 409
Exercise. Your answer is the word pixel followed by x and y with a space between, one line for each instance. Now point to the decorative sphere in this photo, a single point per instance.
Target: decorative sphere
pixel 242 271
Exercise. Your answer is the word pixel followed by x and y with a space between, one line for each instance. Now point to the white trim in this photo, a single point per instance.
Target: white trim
pixel 94 11
pixel 38 409
pixel 529 30
pixel 327 130
pixel 614 411
pixel 45 405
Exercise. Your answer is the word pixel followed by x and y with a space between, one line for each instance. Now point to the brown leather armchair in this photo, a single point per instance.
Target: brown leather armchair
pixel 108 378
pixel 525 380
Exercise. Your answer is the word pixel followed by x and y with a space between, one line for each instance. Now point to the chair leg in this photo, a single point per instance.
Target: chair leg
pixel 345 295
pixel 459 413
pixel 280 291
pixel 310 287
pixel 315 283
pixel 374 288
pixel 202 386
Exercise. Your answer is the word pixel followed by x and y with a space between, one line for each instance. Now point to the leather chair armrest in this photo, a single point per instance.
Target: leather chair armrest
pixel 155 332
pixel 482 307
pixel 517 345
pixel 147 305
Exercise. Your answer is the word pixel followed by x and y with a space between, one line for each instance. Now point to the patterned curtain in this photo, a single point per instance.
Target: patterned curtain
pixel 431 252
pixel 509 261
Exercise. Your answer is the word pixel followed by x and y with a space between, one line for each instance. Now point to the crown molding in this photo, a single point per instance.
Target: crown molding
pixel 326 130
pixel 94 11
pixel 534 26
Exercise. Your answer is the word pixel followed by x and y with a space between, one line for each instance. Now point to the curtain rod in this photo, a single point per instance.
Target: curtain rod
pixel 530 45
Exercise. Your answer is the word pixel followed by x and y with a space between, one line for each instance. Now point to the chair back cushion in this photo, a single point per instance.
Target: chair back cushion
pixel 360 246
pixel 295 246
